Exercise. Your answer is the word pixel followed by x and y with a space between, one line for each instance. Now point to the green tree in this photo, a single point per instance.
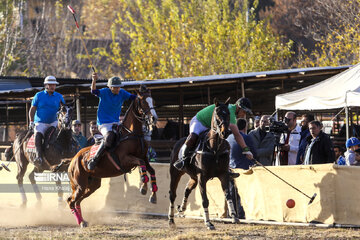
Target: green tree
pixel 337 48
pixel 9 33
pixel 173 38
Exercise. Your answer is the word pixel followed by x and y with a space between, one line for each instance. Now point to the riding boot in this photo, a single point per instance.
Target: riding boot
pixel 184 160
pixel 92 162
pixel 105 145
pixel 38 149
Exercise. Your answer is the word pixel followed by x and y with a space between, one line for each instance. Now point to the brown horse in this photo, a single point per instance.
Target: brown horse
pixel 209 161
pixel 130 150
pixel 58 145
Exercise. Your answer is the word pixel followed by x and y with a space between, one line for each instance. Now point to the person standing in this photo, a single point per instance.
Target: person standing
pixel 108 114
pixel 306 118
pixel 77 135
pixel 290 140
pixel 339 155
pixel 237 158
pixel 94 130
pixel 42 114
pixel 264 142
pixel 352 144
pixel 319 148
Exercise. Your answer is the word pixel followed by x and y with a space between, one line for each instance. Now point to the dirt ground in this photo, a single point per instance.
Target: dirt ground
pixel 56 224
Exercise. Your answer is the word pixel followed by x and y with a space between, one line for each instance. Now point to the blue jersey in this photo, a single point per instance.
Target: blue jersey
pixel 46 106
pixel 110 105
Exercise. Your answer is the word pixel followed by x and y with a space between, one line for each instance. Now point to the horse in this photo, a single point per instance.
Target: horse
pixel 129 152
pixel 171 130
pixel 58 145
pixel 211 159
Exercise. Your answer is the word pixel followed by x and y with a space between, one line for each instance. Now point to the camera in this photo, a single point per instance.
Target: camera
pixel 277 127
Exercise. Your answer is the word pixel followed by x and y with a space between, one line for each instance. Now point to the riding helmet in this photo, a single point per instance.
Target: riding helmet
pixel 114 82
pixel 353 141
pixel 245 104
pixel 50 80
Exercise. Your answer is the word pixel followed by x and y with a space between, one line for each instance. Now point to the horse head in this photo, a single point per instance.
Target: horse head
pixel 145 106
pixel 65 115
pixel 221 119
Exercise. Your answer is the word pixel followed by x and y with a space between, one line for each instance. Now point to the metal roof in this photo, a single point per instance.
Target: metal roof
pixel 18 83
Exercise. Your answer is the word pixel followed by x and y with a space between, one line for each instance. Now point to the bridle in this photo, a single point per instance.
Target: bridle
pixel 219 122
pixel 141 114
pixel 64 119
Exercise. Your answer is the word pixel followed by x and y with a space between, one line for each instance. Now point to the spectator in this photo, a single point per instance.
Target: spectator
pixel 264 142
pixel 151 153
pixel 357 157
pixel 237 158
pixel 256 122
pixel 289 140
pixel 306 118
pixel 340 159
pixel 352 144
pixel 93 132
pixel 319 149
pixel 77 135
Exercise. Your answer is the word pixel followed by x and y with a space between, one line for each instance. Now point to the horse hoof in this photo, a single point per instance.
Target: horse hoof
pixel 143 191
pixel 23 206
pixel 235 220
pixel 153 199
pixel 83 224
pixel 210 226
pixel 172 224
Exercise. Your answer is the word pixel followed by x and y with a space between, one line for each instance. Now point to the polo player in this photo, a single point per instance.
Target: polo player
pixel 42 114
pixel 202 122
pixel 108 114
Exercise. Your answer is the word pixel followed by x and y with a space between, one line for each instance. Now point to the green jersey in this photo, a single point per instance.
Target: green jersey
pixel 204 116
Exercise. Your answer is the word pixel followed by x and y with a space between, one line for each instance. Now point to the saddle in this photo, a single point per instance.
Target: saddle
pixel 202 148
pixel 49 138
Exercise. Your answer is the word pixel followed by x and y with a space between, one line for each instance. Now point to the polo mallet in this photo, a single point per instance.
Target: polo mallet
pixel 250 171
pixel 81 36
pixel 22 142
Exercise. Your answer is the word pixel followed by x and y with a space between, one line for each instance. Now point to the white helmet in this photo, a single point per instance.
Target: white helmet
pixel 50 80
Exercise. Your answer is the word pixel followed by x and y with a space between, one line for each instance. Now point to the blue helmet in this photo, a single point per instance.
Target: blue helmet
pixel 353 141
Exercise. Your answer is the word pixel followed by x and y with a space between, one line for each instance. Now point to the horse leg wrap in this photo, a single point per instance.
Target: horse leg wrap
pixel 206 215
pixel 153 183
pixel 231 208
pixel 184 204
pixel 78 209
pixel 144 177
pixel 77 216
pixel 171 211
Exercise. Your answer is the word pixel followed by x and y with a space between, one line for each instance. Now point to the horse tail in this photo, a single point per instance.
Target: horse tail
pixel 176 149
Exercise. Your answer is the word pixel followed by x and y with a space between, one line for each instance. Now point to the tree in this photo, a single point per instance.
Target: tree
pixel 173 38
pixel 314 26
pixel 340 44
pixel 9 33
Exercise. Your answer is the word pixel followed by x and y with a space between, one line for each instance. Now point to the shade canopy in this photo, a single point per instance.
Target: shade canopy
pixel 338 91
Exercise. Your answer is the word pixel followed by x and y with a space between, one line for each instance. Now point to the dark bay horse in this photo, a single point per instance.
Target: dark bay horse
pixel 130 150
pixel 58 145
pixel 209 161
